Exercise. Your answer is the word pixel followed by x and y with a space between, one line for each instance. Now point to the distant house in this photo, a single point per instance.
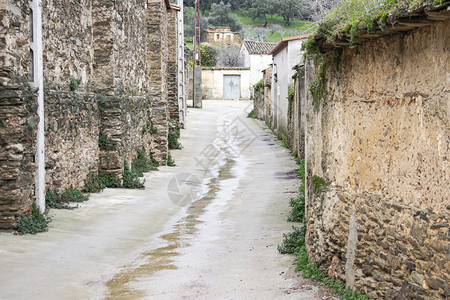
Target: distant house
pixel 286 55
pixel 254 55
pixel 221 36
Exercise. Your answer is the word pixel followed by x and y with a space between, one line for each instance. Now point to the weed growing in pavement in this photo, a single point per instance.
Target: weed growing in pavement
pixel 141 164
pixel 170 160
pixel 252 115
pixel 174 135
pixel 73 195
pixel 34 223
pixel 52 200
pixel 130 178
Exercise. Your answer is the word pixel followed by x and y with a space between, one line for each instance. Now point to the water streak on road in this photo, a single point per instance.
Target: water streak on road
pixel 162 258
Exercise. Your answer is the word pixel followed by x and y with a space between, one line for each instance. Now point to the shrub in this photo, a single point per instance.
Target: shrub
pixel 74 195
pixel 141 163
pixel 104 142
pixel 35 223
pixel 52 200
pixel 170 161
pixel 130 178
pixel 252 115
pixel 293 241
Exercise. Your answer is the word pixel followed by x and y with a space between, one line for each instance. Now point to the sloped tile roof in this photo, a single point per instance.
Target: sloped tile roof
pixel 255 47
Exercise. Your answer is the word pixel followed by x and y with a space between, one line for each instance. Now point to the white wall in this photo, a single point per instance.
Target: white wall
pixel 244 57
pixel 284 62
pixel 258 63
pixel 212 82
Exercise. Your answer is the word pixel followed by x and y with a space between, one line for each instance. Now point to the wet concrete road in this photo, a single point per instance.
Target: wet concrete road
pixel 205 229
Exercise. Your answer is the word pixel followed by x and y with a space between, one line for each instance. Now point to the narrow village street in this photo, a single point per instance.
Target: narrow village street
pixel 207 228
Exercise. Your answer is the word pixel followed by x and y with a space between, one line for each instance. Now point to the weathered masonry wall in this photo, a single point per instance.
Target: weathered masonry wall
pixel 17 149
pixel 378 170
pixel 17 124
pixel 110 71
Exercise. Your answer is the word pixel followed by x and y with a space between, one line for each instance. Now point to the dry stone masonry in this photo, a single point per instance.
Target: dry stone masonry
pixel 110 71
pixel 377 162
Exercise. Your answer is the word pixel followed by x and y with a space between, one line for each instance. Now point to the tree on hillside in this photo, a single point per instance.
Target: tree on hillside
pixel 291 9
pixel 260 9
pixel 189 24
pixel 220 15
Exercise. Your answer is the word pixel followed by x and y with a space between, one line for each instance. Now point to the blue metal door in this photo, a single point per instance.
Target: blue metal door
pixel 232 86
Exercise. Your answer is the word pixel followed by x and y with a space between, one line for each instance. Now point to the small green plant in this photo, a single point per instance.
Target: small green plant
pixel 318 183
pixel 32 125
pixel 92 184
pixel 318 87
pixel 108 181
pixel 293 240
pixel 141 164
pixel 74 195
pixel 130 178
pixel 52 200
pixel 170 161
pixel 259 85
pixel 34 223
pixel 74 83
pixel 252 115
pixel 174 135
pixel 297 213
pixel 154 162
pixel 105 142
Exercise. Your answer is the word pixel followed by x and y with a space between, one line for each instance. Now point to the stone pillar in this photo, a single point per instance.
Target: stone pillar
pixel 103 44
pixel 172 66
pixel 157 57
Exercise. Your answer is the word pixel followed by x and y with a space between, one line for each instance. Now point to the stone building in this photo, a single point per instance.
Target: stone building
pixel 221 36
pixel 109 88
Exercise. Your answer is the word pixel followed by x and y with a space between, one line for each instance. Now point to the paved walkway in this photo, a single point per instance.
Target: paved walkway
pixel 205 229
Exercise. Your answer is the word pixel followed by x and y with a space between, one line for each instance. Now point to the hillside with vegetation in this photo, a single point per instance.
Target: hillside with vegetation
pixel 261 20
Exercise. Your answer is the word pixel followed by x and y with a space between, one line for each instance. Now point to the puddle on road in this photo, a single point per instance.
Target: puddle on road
pixel 163 258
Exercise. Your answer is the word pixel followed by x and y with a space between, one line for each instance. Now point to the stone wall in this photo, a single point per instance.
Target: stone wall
pixel 15 36
pixel 17 149
pixel 71 138
pixel 110 69
pixel 66 37
pixel 18 120
pixel 258 102
pixel 377 162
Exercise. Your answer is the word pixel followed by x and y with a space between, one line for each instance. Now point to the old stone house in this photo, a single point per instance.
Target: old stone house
pixel 109 75
pixel 219 36
pixel 254 55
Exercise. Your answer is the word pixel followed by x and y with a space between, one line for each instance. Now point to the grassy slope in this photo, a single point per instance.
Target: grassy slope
pixel 276 27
